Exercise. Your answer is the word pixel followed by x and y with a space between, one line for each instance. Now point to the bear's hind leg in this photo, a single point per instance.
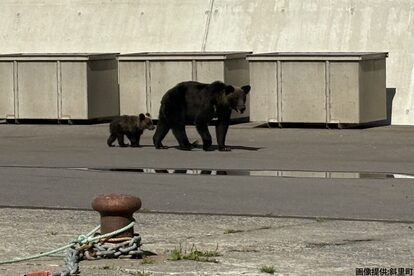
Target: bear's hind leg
pixel 205 135
pixel 181 136
pixel 110 140
pixel 160 133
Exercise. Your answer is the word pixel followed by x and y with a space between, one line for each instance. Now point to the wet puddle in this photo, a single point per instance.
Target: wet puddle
pixel 246 172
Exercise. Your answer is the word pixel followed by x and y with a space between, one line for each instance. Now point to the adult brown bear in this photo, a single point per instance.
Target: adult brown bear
pixel 199 103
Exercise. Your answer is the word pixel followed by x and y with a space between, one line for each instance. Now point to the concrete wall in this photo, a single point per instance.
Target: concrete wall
pixel 220 25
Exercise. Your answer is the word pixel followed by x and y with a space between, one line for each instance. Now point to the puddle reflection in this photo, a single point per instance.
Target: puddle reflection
pixel 271 173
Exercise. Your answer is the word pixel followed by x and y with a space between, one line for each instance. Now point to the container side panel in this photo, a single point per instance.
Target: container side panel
pixel 132 88
pixel 103 93
pixel 37 82
pixel 163 76
pixel 236 72
pixel 74 90
pixel 372 91
pixel 209 71
pixel 6 90
pixel 303 92
pixel 263 99
pixel 344 92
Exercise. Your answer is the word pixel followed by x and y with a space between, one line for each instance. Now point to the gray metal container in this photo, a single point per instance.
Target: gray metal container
pixel 145 77
pixel 338 88
pixel 59 86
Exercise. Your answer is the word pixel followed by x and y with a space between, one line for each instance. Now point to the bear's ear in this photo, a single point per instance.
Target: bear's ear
pixel 217 86
pixel 141 117
pixel 246 89
pixel 229 89
pixel 147 114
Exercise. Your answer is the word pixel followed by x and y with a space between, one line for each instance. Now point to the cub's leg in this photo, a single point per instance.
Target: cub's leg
pixel 120 138
pixel 133 139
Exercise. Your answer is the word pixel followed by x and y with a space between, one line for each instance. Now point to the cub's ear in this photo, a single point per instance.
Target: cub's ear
pixel 229 89
pixel 147 114
pixel 246 89
pixel 141 117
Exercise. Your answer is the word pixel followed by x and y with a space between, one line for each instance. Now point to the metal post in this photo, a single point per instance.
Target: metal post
pixel 116 212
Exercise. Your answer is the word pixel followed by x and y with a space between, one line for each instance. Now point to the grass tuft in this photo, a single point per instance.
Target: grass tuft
pixel 147 260
pixel 232 231
pixel 194 255
pixel 267 269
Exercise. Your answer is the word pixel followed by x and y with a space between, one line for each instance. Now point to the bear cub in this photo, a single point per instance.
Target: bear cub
pixel 131 126
pixel 198 103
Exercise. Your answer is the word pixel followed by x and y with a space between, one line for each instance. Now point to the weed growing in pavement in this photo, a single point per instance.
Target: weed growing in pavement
pixel 232 231
pixel 194 255
pixel 147 260
pixel 264 227
pixel 267 269
pixel 320 220
pixel 139 273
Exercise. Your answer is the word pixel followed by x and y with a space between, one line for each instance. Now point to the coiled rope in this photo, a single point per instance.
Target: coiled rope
pixel 80 247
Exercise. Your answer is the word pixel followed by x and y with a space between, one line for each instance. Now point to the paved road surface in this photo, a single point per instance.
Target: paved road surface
pixel 36 162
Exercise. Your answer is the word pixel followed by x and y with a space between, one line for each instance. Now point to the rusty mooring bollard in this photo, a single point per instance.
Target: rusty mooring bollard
pixel 116 212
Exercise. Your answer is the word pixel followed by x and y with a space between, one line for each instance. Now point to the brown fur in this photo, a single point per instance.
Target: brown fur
pixel 198 103
pixel 131 126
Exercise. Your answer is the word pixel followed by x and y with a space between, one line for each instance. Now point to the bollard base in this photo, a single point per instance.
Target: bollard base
pixel 39 273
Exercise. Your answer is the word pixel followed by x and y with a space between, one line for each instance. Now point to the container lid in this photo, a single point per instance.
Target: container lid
pixel 166 56
pixel 57 56
pixel 299 56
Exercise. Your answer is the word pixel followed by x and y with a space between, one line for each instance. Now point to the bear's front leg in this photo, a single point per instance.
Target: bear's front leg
pixel 135 143
pixel 221 132
pixel 120 138
pixel 133 140
pixel 134 137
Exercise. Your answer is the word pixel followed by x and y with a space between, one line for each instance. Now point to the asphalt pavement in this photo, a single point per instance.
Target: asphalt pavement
pixel 290 201
pixel 65 166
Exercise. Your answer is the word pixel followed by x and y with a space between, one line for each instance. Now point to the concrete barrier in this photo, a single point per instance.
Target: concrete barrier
pixel 322 25
pixel 221 25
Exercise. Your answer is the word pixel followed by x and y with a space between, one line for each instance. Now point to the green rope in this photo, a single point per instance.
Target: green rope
pixel 82 239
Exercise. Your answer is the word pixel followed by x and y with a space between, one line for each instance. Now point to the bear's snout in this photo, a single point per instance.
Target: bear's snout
pixel 151 127
pixel 240 109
